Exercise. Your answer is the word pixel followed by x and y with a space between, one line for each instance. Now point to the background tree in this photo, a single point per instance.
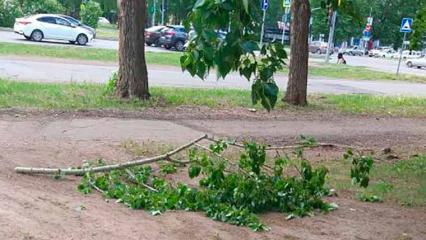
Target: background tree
pixel 417 39
pixel 132 74
pixel 90 12
pixel 298 70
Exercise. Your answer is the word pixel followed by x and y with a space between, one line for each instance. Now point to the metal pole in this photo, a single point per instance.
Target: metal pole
pixel 153 13
pixel 163 9
pixel 400 54
pixel 284 26
pixel 263 26
pixel 330 37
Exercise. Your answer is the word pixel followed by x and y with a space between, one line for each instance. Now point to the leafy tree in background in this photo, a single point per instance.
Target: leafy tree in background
pixel 419 30
pixel 90 13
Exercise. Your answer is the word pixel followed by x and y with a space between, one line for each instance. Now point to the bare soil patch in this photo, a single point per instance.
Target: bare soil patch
pixel 39 207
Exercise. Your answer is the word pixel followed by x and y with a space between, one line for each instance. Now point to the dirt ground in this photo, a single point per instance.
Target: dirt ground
pixel 39 207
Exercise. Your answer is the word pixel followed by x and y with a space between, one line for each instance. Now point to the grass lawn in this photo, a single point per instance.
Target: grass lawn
pixel 94 96
pixel 107 31
pixel 83 53
pixel 403 182
pixel 172 59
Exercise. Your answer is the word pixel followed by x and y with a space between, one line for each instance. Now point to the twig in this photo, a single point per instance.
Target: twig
pixel 92 184
pixel 133 177
pixel 106 168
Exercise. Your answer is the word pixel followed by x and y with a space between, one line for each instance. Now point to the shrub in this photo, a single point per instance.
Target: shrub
pixel 9 10
pixel 41 6
pixel 90 13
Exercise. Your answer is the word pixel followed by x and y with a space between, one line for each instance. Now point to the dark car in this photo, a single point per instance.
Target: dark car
pixel 152 35
pixel 173 36
pixel 276 35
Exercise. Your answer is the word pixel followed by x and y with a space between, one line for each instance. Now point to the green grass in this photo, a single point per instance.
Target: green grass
pixel 172 59
pixel 107 31
pixel 403 182
pixel 360 73
pixel 388 105
pixel 46 96
pixel 83 53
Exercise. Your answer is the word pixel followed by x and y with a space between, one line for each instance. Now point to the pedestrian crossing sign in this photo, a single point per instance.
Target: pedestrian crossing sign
pixel 406 25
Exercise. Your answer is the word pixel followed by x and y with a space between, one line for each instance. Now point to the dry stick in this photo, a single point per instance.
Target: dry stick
pixel 93 185
pixel 133 177
pixel 70 171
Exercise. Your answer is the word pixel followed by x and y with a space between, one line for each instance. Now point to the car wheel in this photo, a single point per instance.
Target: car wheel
pixel 318 51
pixel 179 46
pixel 409 64
pixel 82 39
pixel 36 35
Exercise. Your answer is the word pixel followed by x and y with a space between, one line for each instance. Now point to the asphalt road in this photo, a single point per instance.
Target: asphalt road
pixel 11 37
pixel 386 65
pixel 42 70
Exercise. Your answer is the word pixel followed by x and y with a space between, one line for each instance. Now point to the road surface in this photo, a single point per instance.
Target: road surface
pixel 65 71
pixel 380 64
pixel 11 37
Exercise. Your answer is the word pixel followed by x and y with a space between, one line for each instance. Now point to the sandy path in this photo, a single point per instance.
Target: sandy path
pixel 42 208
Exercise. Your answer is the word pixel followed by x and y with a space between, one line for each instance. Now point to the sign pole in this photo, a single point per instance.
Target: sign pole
pixel 400 53
pixel 263 26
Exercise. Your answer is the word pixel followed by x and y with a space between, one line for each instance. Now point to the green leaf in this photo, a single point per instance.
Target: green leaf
pixel 194 171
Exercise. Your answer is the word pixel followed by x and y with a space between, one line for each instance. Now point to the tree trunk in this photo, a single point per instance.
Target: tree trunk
pixel 132 74
pixel 298 70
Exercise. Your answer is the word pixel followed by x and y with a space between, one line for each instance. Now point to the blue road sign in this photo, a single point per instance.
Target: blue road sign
pixel 265 5
pixel 406 25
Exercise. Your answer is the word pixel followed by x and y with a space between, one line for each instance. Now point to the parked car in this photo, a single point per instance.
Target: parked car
pixel 173 36
pixel 416 62
pixel 78 23
pixel 387 53
pixel 406 54
pixel 318 47
pixel 377 51
pixel 152 35
pixel 51 26
pixel 276 35
pixel 221 35
pixel 355 51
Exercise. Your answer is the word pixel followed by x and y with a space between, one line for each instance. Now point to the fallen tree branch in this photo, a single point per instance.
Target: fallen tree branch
pixel 133 177
pixel 106 168
pixel 317 145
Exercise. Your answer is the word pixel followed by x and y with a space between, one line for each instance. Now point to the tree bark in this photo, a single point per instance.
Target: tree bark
pixel 298 69
pixel 132 74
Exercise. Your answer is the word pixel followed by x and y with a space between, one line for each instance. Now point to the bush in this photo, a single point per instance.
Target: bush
pixel 9 10
pixel 41 6
pixel 90 13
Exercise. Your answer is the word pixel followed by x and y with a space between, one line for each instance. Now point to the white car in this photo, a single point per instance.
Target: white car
pixel 51 26
pixel 416 62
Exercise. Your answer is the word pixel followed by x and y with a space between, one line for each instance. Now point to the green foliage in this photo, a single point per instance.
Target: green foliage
pixel 12 9
pixel 419 29
pixel 9 10
pixel 229 196
pixel 90 13
pixel 111 83
pixel 367 197
pixel 239 51
pixel 168 168
pixel 361 166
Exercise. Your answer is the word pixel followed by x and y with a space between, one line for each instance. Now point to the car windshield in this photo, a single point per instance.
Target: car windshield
pixel 72 20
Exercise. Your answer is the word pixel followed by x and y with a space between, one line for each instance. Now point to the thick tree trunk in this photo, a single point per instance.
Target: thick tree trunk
pixel 132 74
pixel 298 72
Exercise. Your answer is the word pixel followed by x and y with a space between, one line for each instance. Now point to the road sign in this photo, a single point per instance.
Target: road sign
pixel 406 25
pixel 265 5
pixel 286 3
